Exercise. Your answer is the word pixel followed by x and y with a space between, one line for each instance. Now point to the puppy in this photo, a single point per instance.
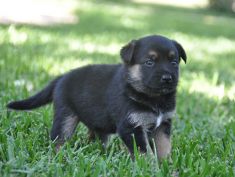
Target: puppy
pixel 134 99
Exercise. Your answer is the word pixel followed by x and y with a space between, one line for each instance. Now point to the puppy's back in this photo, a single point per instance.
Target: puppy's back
pixel 84 90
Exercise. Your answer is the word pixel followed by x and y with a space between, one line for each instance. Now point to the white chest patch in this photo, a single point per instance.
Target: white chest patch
pixel 159 120
pixel 148 119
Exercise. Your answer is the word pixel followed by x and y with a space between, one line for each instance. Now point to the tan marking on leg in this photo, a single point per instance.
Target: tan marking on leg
pixel 70 123
pixel 68 127
pixel 163 144
pixel 58 146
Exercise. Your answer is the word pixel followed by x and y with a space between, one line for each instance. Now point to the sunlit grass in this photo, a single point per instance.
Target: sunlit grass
pixel 203 133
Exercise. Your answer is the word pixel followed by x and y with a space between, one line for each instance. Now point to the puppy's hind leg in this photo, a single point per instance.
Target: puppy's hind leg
pixel 64 125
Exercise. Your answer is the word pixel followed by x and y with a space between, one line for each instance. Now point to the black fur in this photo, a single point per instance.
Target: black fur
pixel 103 97
pixel 41 98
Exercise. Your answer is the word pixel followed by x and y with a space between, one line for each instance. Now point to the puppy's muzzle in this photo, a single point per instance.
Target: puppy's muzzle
pixel 166 78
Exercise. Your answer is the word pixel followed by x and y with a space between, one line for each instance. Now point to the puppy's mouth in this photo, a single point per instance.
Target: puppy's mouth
pixel 162 90
pixel 152 90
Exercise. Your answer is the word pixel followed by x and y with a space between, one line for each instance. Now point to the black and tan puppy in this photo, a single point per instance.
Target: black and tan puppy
pixel 135 98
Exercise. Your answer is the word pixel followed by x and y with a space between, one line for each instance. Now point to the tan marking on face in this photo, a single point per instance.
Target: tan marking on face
pixel 171 53
pixel 163 144
pixel 154 54
pixel 135 72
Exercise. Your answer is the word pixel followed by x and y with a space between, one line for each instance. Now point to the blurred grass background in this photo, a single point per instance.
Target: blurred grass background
pixel 33 50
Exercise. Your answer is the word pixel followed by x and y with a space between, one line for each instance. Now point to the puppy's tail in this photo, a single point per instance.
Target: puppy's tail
pixel 41 98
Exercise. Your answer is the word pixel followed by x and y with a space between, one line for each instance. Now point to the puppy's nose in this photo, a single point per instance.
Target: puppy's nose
pixel 166 78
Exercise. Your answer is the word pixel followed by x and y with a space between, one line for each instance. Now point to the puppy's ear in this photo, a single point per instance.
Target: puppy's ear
pixel 127 52
pixel 181 51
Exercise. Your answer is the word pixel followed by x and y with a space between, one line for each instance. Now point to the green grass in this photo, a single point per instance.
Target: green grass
pixel 203 132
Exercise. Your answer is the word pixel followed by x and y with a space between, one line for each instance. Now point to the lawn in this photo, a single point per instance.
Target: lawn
pixel 203 130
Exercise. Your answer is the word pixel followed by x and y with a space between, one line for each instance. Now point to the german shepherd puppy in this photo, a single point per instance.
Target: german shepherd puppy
pixel 134 99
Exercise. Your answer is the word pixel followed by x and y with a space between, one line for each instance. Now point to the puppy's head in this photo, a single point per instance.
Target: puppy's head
pixel 152 64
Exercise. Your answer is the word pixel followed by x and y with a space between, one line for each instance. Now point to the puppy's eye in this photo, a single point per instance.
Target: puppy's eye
pixel 174 63
pixel 149 63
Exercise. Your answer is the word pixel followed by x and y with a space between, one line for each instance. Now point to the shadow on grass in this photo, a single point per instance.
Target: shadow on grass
pixel 146 18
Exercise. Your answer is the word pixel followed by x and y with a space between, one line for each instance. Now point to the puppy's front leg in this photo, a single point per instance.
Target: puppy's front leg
pixel 126 131
pixel 162 139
